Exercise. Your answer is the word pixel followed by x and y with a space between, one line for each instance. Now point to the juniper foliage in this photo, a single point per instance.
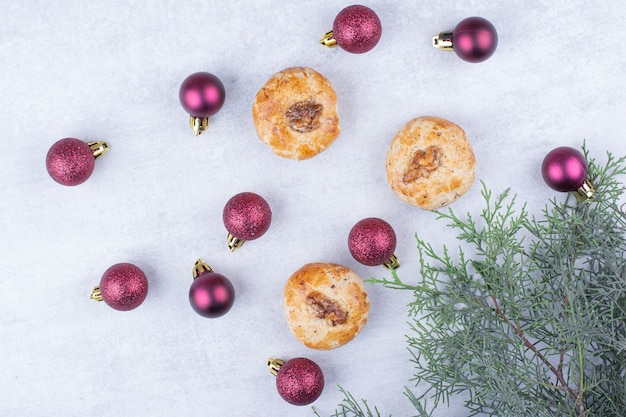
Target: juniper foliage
pixel 529 316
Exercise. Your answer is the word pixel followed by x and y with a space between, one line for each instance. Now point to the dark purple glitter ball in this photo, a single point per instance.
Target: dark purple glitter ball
pixel 300 381
pixel 372 241
pixel 247 216
pixel 124 286
pixel 357 29
pixel 70 161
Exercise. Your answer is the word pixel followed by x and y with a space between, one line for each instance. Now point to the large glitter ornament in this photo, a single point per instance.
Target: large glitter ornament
pixel 211 295
pixel 356 29
pixel 372 241
pixel 473 39
pixel 247 216
pixel 71 161
pixel 565 169
pixel 299 381
pixel 123 287
pixel 202 95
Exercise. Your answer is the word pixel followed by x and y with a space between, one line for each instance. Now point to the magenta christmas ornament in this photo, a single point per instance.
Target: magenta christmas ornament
pixel 211 295
pixel 247 216
pixel 372 241
pixel 474 39
pixel 71 161
pixel 123 287
pixel 299 381
pixel 202 95
pixel 356 29
pixel 565 169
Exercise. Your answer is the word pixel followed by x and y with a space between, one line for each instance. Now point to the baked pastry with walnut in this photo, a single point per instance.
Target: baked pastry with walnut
pixel 430 163
pixel 295 113
pixel 326 305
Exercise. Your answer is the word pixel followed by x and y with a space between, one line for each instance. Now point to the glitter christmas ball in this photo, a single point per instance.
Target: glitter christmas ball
pixel 211 295
pixel 300 381
pixel 202 94
pixel 357 29
pixel 474 39
pixel 372 241
pixel 124 286
pixel 247 216
pixel 564 169
pixel 70 161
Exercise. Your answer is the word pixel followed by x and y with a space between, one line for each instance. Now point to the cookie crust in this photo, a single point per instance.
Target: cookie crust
pixel 326 305
pixel 295 113
pixel 430 163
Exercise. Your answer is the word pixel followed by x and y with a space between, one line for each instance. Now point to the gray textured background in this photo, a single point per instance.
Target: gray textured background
pixel 111 71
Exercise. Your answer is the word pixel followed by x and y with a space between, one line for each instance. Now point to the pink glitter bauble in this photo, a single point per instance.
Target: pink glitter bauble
pixel 211 295
pixel 372 241
pixel 70 161
pixel 247 216
pixel 474 39
pixel 124 287
pixel 564 169
pixel 357 29
pixel 202 94
pixel 300 381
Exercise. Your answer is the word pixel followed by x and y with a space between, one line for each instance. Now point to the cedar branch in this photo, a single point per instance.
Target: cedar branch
pixel 558 373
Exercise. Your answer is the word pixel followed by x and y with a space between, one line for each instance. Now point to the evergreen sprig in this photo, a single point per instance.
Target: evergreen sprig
pixel 528 317
pixel 351 407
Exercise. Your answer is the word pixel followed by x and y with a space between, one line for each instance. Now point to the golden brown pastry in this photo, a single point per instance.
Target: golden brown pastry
pixel 326 305
pixel 295 113
pixel 430 163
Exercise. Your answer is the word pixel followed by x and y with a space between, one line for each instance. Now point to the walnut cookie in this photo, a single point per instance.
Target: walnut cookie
pixel 326 305
pixel 295 113
pixel 430 163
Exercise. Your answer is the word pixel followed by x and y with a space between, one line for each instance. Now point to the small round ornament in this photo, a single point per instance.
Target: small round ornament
pixel 202 95
pixel 372 242
pixel 211 295
pixel 565 169
pixel 247 216
pixel 356 29
pixel 71 161
pixel 473 39
pixel 123 287
pixel 299 381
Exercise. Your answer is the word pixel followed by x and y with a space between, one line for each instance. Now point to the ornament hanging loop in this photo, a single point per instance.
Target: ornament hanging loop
pixel 329 40
pixel 392 263
pixel 98 148
pixel 274 365
pixel 585 192
pixel 96 294
pixel 443 41
pixel 200 268
pixel 198 124
pixel 233 242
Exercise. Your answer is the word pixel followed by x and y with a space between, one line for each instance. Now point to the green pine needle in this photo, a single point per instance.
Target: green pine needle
pixel 529 317
pixel 351 407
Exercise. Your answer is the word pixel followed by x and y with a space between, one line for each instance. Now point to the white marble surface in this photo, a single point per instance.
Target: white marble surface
pixel 111 70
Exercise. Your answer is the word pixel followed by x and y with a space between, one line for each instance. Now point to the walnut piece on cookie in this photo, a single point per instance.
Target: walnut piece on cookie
pixel 295 113
pixel 430 163
pixel 326 305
